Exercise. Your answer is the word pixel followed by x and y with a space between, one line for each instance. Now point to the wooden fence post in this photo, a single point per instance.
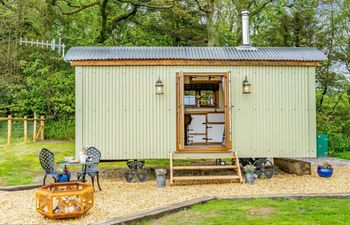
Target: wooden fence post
pixel 42 127
pixel 34 127
pixel 25 130
pixel 9 129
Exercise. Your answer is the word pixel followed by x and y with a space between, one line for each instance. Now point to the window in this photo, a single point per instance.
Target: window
pixel 190 98
pixel 205 98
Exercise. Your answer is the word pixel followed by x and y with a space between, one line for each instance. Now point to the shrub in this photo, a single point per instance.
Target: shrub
pixel 60 130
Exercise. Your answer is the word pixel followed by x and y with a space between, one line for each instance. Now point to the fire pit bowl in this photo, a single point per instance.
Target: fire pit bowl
pixel 64 200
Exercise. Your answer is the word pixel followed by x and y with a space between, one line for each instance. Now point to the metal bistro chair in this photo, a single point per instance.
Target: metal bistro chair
pixel 47 161
pixel 92 170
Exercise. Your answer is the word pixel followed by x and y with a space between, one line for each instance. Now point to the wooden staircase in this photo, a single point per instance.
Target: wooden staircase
pixel 236 170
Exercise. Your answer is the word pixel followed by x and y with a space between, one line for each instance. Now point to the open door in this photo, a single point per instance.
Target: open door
pixel 206 98
pixel 180 123
pixel 228 109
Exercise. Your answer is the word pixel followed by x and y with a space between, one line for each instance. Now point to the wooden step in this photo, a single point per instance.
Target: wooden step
pixel 202 155
pixel 186 178
pixel 205 155
pixel 204 167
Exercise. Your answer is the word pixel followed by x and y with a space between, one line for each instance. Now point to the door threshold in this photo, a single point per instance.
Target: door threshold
pixel 204 149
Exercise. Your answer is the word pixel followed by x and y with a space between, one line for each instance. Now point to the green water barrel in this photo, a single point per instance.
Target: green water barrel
pixel 322 145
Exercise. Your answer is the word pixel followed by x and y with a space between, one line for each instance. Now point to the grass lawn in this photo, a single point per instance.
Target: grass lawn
pixel 263 211
pixel 19 163
pixel 342 155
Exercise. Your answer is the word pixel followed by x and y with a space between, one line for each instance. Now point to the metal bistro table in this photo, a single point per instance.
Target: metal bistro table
pixel 84 166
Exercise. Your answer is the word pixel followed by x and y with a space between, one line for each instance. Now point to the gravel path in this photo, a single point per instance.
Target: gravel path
pixel 120 198
pixel 333 161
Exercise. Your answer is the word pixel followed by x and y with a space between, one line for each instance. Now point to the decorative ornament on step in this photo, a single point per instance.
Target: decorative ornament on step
pixel 137 170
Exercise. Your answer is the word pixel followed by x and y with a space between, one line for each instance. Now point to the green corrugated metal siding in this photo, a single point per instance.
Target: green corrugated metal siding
pixel 119 112
pixel 273 121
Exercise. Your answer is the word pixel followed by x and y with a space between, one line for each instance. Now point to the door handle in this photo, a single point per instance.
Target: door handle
pixel 209 127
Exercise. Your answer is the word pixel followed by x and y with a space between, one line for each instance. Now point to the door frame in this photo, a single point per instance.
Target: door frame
pixel 180 111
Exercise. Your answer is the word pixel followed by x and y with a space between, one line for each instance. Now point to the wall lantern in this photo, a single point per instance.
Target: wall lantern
pixel 246 86
pixel 159 87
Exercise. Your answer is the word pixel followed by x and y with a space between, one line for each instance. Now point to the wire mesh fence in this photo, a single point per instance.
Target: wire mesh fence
pixel 25 130
pixel 17 131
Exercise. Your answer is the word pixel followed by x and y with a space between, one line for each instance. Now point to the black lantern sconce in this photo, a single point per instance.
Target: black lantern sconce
pixel 246 86
pixel 159 87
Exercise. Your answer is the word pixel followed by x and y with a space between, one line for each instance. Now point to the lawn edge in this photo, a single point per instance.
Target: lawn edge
pixel 176 207
pixel 19 187
pixel 154 213
pixel 286 196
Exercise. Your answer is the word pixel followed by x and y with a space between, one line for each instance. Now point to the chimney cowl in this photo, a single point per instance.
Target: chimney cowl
pixel 245 28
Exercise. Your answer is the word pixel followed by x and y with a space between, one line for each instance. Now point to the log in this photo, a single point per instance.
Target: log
pixel 293 166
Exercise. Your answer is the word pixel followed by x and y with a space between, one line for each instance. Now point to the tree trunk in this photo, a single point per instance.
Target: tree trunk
pixel 102 36
pixel 322 97
pixel 211 24
pixel 211 33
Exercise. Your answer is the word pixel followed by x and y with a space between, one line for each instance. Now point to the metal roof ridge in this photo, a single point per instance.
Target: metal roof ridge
pixel 195 53
pixel 208 47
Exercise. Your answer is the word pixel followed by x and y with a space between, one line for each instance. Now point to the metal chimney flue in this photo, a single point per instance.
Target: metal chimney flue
pixel 245 28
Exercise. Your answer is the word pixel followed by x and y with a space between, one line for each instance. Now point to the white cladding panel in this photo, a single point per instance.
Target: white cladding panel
pixel 118 111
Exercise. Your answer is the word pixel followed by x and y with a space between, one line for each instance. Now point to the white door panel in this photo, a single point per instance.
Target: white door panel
pixel 196 139
pixel 197 124
pixel 215 132
pixel 216 117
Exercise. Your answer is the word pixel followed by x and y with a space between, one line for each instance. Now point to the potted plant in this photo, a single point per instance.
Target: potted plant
pixel 160 177
pixel 249 174
pixel 64 175
pixel 325 170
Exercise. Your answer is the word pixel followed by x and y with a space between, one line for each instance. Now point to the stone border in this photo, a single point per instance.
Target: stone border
pixel 19 187
pixel 286 196
pixel 154 213
pixel 176 207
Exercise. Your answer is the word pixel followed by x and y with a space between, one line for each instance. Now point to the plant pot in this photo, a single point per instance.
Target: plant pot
pixel 249 178
pixel 64 177
pixel 161 181
pixel 269 173
pixel 325 172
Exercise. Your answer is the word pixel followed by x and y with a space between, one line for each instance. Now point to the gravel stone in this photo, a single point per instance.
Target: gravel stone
pixel 119 198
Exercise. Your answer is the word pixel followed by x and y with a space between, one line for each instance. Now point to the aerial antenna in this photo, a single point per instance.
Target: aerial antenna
pixel 45 44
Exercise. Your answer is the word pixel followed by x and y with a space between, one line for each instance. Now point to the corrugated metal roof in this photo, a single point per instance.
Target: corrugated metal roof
pixel 195 53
